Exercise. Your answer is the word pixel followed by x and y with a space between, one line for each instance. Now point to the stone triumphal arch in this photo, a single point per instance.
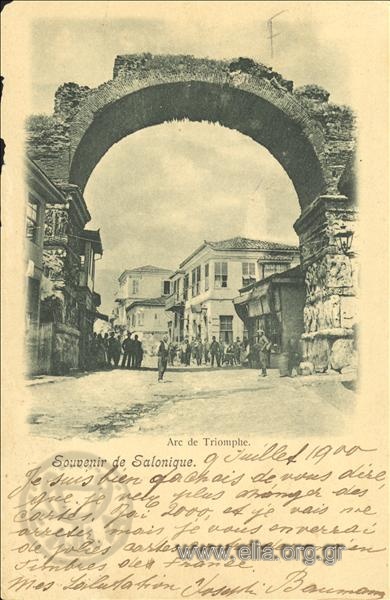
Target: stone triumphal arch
pixel 312 138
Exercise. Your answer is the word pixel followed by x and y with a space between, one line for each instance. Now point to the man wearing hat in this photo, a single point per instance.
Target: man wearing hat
pixel 264 346
pixel 163 353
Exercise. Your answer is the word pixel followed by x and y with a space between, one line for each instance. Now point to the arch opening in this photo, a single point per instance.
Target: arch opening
pixel 187 182
pixel 197 101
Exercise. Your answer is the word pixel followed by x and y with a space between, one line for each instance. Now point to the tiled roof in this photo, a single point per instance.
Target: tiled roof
pixel 148 302
pixel 149 269
pixel 295 273
pixel 146 269
pixel 241 243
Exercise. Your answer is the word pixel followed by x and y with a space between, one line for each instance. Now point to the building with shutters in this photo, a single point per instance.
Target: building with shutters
pixel 140 303
pixel 207 281
pixel 148 319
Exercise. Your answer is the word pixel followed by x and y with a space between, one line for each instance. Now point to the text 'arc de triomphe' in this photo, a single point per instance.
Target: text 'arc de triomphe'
pixel 313 140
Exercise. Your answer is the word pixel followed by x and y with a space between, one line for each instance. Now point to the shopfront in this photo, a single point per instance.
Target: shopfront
pixel 274 305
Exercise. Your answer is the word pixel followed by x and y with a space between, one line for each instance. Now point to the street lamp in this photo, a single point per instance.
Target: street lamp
pixel 344 239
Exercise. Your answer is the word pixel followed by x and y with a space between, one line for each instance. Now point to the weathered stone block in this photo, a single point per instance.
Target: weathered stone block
pixel 320 354
pixel 348 311
pixel 341 354
pixel 68 98
pixel 306 368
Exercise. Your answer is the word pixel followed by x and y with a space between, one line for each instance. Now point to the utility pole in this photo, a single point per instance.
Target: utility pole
pixel 271 35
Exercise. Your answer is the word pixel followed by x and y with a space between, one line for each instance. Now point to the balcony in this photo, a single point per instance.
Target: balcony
pixel 175 303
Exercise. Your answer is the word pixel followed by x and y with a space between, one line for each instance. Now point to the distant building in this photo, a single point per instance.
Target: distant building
pixel 203 289
pixel 148 319
pixel 275 305
pixel 140 303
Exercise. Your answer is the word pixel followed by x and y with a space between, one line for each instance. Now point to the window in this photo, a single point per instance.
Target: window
pixel 133 319
pixel 186 286
pixel 140 318
pixel 221 275
pixel 248 273
pixel 32 220
pixel 226 329
pixel 195 281
pixel 271 268
pixel 206 277
pixel 167 288
pixel 198 277
pixel 135 286
pixel 193 276
pixel 277 299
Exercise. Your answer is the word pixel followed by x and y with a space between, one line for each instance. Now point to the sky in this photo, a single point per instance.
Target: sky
pixel 160 192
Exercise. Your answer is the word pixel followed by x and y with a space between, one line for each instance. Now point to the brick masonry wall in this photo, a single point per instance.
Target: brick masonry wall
pixel 327 131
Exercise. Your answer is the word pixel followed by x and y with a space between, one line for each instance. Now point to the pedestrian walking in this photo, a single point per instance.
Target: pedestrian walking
pixel 199 352
pixel 215 352
pixel 116 351
pixel 126 347
pixel 237 351
pixel 110 344
pixel 138 352
pixel 229 355
pixel 223 346
pixel 172 353
pixel 206 350
pixel 263 347
pixel 101 357
pixel 162 354
pixel 105 341
pixel 133 353
pixel 182 352
pixel 193 350
pixel 244 353
pixel 187 353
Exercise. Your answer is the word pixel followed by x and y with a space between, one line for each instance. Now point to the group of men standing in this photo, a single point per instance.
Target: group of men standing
pixel 132 352
pixel 215 353
pixel 105 351
pixel 204 352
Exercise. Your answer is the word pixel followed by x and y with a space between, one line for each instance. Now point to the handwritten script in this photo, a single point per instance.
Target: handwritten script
pixel 93 525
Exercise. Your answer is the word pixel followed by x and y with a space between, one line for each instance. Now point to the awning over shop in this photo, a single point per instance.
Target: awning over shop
pixel 258 303
pixel 241 305
pixel 97 315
